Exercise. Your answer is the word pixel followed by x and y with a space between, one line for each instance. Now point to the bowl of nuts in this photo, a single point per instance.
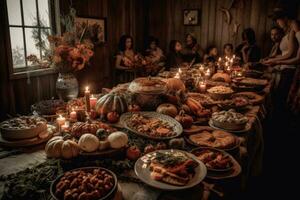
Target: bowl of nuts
pixel 93 183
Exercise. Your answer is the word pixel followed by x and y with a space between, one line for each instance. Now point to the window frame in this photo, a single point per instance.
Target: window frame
pixel 33 70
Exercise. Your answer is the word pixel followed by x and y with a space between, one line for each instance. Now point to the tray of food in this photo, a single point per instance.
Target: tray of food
pixel 151 125
pixel 253 97
pixel 220 164
pixel 93 183
pixel 220 92
pixel 204 99
pixel 170 169
pixel 213 138
pixel 215 160
pixel 229 120
pixel 237 103
pixel 23 127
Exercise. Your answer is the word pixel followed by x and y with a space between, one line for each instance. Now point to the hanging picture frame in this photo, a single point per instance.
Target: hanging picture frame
pixel 92 28
pixel 191 17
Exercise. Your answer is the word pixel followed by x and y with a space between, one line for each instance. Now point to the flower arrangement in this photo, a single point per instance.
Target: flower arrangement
pixel 68 53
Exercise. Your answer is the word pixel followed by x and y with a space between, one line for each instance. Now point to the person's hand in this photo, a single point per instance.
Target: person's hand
pixel 267 61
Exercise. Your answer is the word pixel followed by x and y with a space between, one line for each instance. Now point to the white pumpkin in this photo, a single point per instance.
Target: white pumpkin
pixel 117 139
pixel 60 147
pixel 88 142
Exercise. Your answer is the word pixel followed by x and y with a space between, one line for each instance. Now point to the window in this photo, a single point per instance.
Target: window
pixel 29 22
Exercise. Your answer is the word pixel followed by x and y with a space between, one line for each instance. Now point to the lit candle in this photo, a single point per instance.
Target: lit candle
pixel 60 120
pixel 87 99
pixel 73 115
pixel 228 68
pixel 177 75
pixel 202 86
pixel 220 59
pixel 179 71
pixel 207 73
pixel 201 68
pixel 239 74
pixel 233 56
pixel 65 126
pixel 93 101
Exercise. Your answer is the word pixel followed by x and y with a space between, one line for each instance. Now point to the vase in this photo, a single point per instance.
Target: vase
pixel 67 86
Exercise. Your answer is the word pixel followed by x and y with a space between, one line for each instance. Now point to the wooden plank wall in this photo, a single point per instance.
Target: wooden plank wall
pixel 161 18
pixel 166 23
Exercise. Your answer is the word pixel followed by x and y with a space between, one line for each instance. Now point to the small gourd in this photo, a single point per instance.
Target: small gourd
pixel 117 139
pixel 88 142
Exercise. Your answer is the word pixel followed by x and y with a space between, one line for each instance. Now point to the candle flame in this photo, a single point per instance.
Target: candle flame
pixel 177 75
pixel 179 71
pixel 87 88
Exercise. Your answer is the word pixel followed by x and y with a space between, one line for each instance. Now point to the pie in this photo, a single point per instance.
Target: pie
pixel 216 139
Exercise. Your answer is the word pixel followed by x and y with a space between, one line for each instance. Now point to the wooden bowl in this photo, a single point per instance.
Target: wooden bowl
pixel 20 134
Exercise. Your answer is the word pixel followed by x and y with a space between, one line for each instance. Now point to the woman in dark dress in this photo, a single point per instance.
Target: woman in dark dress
pixel 127 58
pixel 174 57
pixel 248 51
pixel 192 50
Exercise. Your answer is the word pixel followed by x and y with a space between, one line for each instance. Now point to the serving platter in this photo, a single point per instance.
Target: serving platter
pixel 245 130
pixel 177 128
pixel 144 174
pixel 234 172
pixel 224 153
pixel 253 97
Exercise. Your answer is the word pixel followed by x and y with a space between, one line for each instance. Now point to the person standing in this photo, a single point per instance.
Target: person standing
pixel 276 35
pixel 283 73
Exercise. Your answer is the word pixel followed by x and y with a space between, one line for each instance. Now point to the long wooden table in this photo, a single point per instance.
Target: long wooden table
pixel 250 158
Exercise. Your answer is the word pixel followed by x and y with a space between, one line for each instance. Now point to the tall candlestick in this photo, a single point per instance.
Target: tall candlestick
pixel 177 75
pixel 93 101
pixel 65 127
pixel 60 120
pixel 207 73
pixel 202 86
pixel 87 99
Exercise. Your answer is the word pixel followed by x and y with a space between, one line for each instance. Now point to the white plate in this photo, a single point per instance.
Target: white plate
pixel 143 173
